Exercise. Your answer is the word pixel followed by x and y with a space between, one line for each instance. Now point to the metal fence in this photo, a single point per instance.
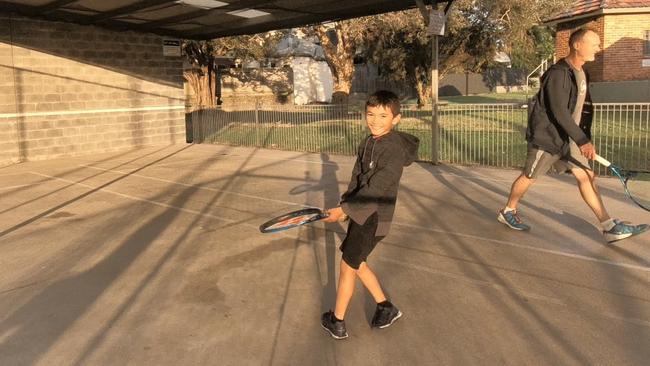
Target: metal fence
pixel 467 134
pixel 329 129
pixel 621 133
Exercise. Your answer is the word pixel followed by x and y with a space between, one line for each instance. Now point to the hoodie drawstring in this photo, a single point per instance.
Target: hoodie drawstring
pixel 372 152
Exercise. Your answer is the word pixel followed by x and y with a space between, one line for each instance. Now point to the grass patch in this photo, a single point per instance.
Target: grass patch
pixel 481 135
pixel 489 98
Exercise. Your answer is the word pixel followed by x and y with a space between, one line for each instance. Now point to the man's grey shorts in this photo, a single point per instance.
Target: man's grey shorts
pixel 538 162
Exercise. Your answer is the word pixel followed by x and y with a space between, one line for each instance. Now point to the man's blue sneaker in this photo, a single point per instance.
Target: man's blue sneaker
pixel 511 218
pixel 624 230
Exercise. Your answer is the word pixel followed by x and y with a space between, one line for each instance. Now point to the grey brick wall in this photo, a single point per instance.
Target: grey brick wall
pixel 67 89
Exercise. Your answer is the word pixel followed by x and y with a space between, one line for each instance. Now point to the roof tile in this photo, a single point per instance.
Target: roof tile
pixel 587 6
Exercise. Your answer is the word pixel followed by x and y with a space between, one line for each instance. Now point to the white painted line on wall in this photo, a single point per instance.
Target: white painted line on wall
pixel 91 111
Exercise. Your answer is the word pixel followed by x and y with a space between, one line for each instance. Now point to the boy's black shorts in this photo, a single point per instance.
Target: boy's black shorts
pixel 360 241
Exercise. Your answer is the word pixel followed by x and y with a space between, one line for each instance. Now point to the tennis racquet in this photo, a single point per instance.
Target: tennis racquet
pixel 293 219
pixel 635 183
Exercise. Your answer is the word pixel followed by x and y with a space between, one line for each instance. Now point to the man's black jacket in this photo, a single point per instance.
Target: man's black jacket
pixel 550 120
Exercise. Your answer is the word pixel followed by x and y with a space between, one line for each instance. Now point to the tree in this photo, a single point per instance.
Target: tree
pixel 475 31
pixel 522 33
pixel 341 41
pixel 201 77
pixel 204 56
pixel 399 45
pixel 529 52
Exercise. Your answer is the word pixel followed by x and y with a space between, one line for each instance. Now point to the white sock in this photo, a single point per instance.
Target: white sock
pixel 608 224
pixel 508 209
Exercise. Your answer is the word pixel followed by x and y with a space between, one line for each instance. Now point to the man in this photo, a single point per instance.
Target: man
pixel 559 136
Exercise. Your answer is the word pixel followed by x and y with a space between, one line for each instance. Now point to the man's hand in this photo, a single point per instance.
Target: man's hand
pixel 588 151
pixel 335 214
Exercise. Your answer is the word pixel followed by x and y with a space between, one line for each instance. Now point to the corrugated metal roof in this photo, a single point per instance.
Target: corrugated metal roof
pixel 201 19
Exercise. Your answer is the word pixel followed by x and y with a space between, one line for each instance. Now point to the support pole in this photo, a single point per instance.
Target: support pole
pixel 434 100
pixel 434 93
pixel 435 131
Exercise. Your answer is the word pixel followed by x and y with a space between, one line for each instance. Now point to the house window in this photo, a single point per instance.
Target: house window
pixel 646 44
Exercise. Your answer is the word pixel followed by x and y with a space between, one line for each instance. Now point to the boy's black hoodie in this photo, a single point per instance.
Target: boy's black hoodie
pixel 550 121
pixel 375 177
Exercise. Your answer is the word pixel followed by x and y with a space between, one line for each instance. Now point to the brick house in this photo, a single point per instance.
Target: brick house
pixel 624 29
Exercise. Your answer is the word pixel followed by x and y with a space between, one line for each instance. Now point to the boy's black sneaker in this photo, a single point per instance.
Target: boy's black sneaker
pixel 336 328
pixel 385 316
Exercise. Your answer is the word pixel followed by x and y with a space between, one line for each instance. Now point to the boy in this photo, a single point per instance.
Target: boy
pixel 369 202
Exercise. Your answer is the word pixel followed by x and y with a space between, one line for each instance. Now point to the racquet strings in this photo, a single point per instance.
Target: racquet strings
pixel 638 184
pixel 291 222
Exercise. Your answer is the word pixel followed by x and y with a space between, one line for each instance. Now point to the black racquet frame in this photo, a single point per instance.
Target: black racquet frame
pixel 312 213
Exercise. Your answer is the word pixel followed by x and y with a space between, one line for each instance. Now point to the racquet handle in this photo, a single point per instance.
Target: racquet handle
pixel 602 160
pixel 343 217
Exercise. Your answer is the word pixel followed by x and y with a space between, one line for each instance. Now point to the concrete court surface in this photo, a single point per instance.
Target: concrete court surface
pixel 153 257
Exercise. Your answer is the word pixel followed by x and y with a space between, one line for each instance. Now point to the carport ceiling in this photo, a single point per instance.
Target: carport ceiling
pixel 201 19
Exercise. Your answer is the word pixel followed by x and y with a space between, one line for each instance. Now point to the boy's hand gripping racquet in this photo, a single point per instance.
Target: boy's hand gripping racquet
pixel 635 183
